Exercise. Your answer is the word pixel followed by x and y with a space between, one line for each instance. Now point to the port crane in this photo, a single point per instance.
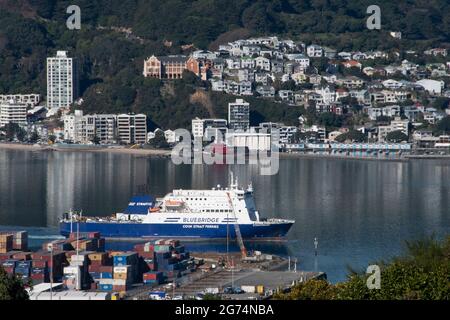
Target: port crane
pixel 237 229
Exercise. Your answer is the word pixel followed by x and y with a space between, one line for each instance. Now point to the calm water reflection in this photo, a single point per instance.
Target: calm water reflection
pixel 360 211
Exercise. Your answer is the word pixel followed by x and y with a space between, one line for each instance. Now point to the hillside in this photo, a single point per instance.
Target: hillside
pixel 111 56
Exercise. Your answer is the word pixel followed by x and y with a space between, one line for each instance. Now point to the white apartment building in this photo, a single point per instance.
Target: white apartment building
pixel 12 112
pixel 30 100
pixel 314 51
pixel 81 128
pixel 250 140
pixel 132 128
pixel 208 128
pixel 396 125
pixel 62 81
pixel 239 115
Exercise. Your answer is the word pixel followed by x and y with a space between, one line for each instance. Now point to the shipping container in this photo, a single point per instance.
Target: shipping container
pixel 100 257
pixel 126 258
pixel 36 271
pixel 163 248
pixel 153 276
pixel 106 275
pixel 24 264
pixel 105 287
pixel 22 255
pixel 6 243
pixel 24 271
pixel 153 282
pixel 72 270
pixel 7 256
pixel 108 269
pixel 89 235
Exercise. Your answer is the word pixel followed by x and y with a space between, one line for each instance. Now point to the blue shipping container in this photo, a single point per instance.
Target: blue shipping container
pixel 106 287
pixel 106 275
pixel 124 260
pixel 152 282
pixel 23 264
pixel 22 271
pixel 39 271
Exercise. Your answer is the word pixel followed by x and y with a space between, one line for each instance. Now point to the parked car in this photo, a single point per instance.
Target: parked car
pixel 199 296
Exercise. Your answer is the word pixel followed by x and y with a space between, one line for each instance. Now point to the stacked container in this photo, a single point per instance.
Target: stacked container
pixel 154 277
pixel 23 269
pixel 39 271
pixel 20 240
pixel 57 245
pixel 9 266
pixel 6 243
pixel 55 261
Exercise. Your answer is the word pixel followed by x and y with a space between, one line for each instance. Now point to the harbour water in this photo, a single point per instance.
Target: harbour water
pixel 361 211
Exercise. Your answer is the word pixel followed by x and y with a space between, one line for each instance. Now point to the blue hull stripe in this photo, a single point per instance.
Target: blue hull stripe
pixel 175 230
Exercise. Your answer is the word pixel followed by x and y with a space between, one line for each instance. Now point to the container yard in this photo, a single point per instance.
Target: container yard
pixel 79 268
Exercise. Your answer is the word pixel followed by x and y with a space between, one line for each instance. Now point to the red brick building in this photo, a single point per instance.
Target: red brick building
pixel 170 67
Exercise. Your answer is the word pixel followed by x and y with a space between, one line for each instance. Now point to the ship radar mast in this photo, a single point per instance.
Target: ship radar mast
pixel 233 183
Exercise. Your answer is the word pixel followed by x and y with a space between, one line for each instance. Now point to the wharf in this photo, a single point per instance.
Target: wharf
pixel 270 280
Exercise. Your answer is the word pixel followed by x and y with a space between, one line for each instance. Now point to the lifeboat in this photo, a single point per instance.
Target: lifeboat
pixel 155 209
pixel 173 204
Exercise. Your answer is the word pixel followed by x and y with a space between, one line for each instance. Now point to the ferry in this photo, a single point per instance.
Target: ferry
pixel 218 213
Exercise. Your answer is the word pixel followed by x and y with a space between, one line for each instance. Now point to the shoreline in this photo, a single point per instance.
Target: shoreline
pixel 167 153
pixel 119 150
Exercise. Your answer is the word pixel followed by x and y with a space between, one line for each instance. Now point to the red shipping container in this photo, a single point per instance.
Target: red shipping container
pixel 96 263
pixel 106 269
pixel 6 256
pixel 150 276
pixel 120 288
pixel 94 268
pixel 22 256
pixel 39 263
pixel 40 277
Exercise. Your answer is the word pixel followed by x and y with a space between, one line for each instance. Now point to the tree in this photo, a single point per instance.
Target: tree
pixel 443 126
pixel 21 134
pixel 95 140
pixel 351 136
pixel 441 103
pixel 311 290
pixel 421 273
pixel 34 137
pixel 11 288
pixel 159 141
pixel 396 136
pixel 14 131
pixel 330 119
